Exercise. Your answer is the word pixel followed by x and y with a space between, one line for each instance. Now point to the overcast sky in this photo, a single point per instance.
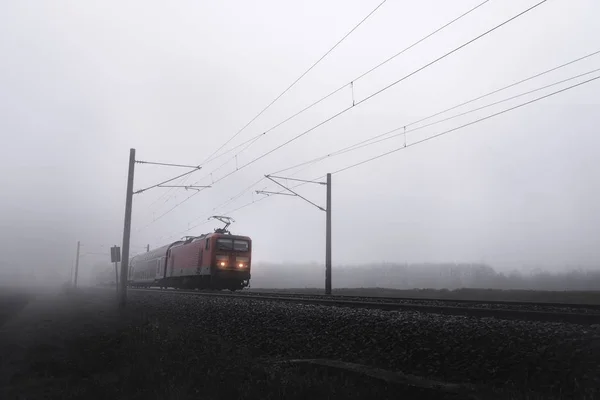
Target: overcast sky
pixel 83 82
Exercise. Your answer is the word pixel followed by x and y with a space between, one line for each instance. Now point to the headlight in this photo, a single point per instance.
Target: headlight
pixel 242 262
pixel 222 261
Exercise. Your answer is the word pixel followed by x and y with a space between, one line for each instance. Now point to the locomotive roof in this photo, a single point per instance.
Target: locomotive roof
pixel 214 234
pixel 217 234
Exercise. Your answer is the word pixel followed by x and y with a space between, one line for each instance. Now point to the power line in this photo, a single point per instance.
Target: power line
pixel 255 138
pixel 420 40
pixel 511 85
pixel 415 143
pixel 168 180
pixel 186 187
pixel 477 109
pixel 452 51
pixel 297 80
pixel 430 138
pixel 225 176
pixel 171 209
pixel 241 193
pixel 163 195
pixel 463 126
pixel 238 208
pixel 367 98
pixel 248 143
pixel 296 194
pixel 250 187
pixel 167 164
pixel 280 192
pixel 381 137
pixel 168 193
pixel 209 158
pixel 297 180
pixel 382 90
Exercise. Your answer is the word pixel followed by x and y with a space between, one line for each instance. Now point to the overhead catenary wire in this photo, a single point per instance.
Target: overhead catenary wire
pixel 297 180
pixel 509 86
pixel 476 109
pixel 210 157
pixel 239 194
pixel 296 194
pixel 298 136
pixel 247 144
pixel 234 210
pixel 248 188
pixel 167 181
pixel 253 139
pixel 297 80
pixel 423 141
pixel 456 49
pixel 246 205
pixel 168 192
pixel 171 209
pixel 167 164
pixel 464 126
pixel 386 135
pixel 245 190
pixel 420 142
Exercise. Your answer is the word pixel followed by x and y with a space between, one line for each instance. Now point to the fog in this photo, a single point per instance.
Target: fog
pixel 83 82
pixel 423 276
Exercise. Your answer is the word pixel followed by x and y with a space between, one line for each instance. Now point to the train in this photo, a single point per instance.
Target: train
pixel 218 260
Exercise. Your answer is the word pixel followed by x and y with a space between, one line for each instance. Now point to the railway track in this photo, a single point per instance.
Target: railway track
pixel 546 312
pixel 492 304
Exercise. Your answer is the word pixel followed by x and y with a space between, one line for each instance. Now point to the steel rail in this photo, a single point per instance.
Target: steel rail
pixel 541 316
pixel 446 300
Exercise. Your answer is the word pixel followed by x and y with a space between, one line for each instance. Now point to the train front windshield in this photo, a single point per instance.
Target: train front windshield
pixel 233 244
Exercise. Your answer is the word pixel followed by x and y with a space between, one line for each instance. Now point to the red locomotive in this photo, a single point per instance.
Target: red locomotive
pixel 216 260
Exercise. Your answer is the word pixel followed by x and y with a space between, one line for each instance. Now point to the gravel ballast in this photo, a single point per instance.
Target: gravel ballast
pixel 508 306
pixel 548 356
pixel 216 346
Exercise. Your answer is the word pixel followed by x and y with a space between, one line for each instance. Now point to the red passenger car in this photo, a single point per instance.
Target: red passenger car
pixel 216 260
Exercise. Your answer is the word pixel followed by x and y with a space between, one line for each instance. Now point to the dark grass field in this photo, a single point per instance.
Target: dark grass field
pixel 572 297
pixel 78 345
pixel 11 302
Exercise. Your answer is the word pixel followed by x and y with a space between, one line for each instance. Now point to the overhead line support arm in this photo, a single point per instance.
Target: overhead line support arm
pixel 169 164
pixel 167 181
pixel 266 192
pixel 296 194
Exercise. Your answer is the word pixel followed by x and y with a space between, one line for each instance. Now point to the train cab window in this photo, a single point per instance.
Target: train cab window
pixel 240 245
pixel 235 245
pixel 207 244
pixel 225 244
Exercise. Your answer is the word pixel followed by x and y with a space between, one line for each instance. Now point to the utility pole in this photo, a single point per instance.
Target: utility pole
pixel 147 248
pixel 328 238
pixel 76 265
pixel 327 217
pixel 122 285
pixel 127 230
pixel 117 277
